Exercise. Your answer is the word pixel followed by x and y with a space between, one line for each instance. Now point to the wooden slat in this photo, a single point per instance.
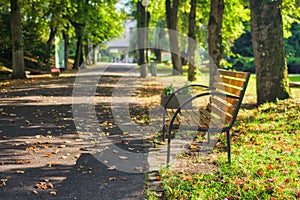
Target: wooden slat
pixel 227 89
pixel 233 102
pixel 225 116
pixel 193 116
pixel 233 74
pixel 230 81
pixel 171 112
pixel 222 105
pixel 204 117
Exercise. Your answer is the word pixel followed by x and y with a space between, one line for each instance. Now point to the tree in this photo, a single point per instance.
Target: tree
pixel 17 41
pixel 215 49
pixel 172 19
pixel 191 41
pixel 141 23
pixel 268 47
pixel 91 22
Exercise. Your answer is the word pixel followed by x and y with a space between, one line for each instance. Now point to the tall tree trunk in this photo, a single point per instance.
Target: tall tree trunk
pixel 86 54
pixel 53 31
pixel 172 19
pixel 215 49
pixel 17 41
pixel 141 35
pixel 67 46
pixel 191 41
pixel 78 55
pixel 269 54
pixel 157 53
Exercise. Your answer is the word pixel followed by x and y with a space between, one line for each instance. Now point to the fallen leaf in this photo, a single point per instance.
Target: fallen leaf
pixel 77 155
pixel 139 169
pixel 112 178
pixel 35 192
pixel 115 151
pixel 123 157
pixel 47 155
pixel 50 185
pixel 50 164
pixel 157 178
pixel 187 178
pixel 52 193
pixel 124 142
pixel 113 167
pixel 20 172
pixel 270 167
pixel 55 151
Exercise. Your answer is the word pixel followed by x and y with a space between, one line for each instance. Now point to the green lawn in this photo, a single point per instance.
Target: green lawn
pixel 265 159
pixel 294 78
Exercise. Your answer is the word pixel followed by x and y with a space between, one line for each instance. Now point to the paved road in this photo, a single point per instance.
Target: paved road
pixel 52 147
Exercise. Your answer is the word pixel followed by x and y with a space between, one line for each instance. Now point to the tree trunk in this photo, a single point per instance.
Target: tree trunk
pixel 141 35
pixel 215 49
pixel 53 32
pixel 67 44
pixel 17 41
pixel 191 41
pixel 268 46
pixel 78 55
pixel 172 19
pixel 157 53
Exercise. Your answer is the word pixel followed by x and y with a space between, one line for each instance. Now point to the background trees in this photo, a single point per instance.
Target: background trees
pixel 80 22
pixel 222 27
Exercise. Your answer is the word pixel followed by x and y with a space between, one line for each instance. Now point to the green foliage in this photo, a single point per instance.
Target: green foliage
pixel 236 13
pixel 293 65
pixel 169 90
pixel 243 63
pixel 5 34
pixel 292 43
pixel 265 163
pixel 290 15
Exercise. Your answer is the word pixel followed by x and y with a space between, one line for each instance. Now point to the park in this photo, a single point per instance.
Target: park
pixel 149 99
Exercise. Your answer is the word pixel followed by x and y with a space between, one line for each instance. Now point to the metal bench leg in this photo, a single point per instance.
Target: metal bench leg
pixel 228 146
pixel 208 137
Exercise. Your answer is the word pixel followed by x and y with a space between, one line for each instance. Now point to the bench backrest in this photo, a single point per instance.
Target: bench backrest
pixel 233 84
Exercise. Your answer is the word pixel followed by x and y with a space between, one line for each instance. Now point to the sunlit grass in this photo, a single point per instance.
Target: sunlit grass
pixel 265 159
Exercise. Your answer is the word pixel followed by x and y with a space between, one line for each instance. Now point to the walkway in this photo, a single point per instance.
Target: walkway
pixel 52 146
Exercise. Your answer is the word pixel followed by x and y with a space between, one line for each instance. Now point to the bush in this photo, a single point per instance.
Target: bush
pixel 293 64
pixel 245 64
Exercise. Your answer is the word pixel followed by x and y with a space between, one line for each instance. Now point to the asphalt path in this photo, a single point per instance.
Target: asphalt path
pixel 45 153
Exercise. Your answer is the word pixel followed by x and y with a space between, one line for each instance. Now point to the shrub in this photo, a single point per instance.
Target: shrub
pixel 293 64
pixel 245 64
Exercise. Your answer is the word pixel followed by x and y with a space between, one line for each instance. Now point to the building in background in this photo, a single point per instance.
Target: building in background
pixel 119 47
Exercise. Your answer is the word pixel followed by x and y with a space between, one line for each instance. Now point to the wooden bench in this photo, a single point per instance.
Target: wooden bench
pixel 215 114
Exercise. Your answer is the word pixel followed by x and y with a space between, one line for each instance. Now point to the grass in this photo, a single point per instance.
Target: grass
pixel 265 160
pixel 294 78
